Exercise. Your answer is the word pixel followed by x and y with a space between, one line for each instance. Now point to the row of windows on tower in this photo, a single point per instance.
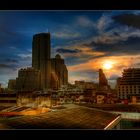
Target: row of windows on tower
pixel 129 92
pixel 138 87
pixel 129 89
pixel 129 86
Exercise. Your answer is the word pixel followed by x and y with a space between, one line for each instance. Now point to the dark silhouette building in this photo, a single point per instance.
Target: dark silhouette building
pixel 28 80
pixel 46 73
pixel 59 72
pixel 102 78
pixel 41 57
pixel 103 83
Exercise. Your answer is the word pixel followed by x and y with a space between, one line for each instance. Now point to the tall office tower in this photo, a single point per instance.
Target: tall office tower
pixel 129 84
pixel 41 58
pixel 102 79
pixel 59 72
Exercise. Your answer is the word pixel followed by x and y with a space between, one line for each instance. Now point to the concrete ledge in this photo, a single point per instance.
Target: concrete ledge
pixel 112 124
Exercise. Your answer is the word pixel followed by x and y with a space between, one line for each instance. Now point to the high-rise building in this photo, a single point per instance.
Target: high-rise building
pixel 41 58
pixel 129 84
pixel 46 73
pixel 59 72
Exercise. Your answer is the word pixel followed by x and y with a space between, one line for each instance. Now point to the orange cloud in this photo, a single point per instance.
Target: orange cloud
pixel 84 51
pixel 119 63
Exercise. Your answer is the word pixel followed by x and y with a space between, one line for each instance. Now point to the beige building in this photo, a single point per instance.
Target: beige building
pixel 129 84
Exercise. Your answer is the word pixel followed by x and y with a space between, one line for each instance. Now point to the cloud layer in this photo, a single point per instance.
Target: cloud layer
pixel 85 39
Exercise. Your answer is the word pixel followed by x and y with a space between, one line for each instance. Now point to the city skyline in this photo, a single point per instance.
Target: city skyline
pixel 87 40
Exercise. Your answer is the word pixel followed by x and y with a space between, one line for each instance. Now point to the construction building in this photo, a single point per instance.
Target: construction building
pixel 128 86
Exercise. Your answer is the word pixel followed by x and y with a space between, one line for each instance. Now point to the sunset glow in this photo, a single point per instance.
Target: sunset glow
pixel 108 65
pixel 86 40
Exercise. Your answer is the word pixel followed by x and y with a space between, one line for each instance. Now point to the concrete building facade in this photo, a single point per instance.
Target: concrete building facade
pixel 28 80
pixel 129 84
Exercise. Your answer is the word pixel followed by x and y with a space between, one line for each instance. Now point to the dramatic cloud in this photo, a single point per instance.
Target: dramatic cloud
pixel 85 22
pixel 25 56
pixel 13 61
pixel 8 69
pixel 4 66
pixel 129 46
pixel 128 19
pixel 95 64
pixel 103 23
pixel 67 51
pixel 66 34
pixel 85 39
pixel 78 54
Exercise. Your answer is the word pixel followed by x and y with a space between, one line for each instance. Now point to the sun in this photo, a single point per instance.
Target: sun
pixel 108 65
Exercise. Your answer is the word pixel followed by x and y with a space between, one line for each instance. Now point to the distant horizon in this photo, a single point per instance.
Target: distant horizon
pixel 87 40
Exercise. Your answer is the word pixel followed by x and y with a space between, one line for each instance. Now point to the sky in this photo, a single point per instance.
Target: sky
pixel 87 40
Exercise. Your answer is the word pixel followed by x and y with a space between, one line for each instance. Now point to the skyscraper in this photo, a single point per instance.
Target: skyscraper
pixel 46 72
pixel 59 72
pixel 41 57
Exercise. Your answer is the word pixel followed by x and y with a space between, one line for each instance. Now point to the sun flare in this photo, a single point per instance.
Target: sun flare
pixel 107 65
